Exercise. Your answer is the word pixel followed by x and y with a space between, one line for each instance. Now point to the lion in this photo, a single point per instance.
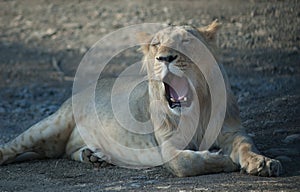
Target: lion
pixel 177 87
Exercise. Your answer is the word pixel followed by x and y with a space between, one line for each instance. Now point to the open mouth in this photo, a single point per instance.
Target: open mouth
pixel 178 92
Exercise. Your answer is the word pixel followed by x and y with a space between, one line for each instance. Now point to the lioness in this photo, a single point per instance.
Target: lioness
pixel 176 83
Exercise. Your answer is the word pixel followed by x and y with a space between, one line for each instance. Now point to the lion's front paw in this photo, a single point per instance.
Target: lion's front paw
pixel 91 157
pixel 261 166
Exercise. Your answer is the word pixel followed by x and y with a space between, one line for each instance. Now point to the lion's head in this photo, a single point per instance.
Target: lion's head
pixel 172 74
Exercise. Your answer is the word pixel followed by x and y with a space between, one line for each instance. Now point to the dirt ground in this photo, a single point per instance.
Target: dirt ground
pixel 42 43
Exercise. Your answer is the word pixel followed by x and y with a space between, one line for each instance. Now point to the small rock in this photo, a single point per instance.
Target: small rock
pixel 151 182
pixel 163 187
pixel 292 139
pixel 135 185
pixel 280 131
pixel 242 96
pixel 291 69
pixel 253 13
pixel 18 18
pixel 269 123
pixel 260 32
pixel 23 103
pixel 83 49
pixel 239 25
pixel 50 32
pixel 119 16
pixel 295 49
pixel 201 189
pixel 165 9
pixel 248 122
pixel 283 158
pixel 2 110
pixel 259 68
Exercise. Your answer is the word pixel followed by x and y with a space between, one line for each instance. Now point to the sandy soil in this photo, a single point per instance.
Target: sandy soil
pixel 42 43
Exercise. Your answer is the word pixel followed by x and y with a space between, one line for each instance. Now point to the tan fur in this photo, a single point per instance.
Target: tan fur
pixel 58 134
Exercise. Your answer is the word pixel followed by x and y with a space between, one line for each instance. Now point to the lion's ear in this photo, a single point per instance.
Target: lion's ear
pixel 210 31
pixel 144 39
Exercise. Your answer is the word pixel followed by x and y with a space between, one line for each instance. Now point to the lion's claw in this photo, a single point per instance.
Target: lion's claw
pixel 90 157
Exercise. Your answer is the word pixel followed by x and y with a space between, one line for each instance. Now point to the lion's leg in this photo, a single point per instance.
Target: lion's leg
pixel 190 163
pixel 46 139
pixel 242 151
pixel 77 150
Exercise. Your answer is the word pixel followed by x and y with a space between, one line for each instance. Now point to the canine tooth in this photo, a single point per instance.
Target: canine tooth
pixel 172 99
pixel 185 99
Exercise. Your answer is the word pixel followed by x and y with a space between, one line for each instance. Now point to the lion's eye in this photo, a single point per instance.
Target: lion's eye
pixel 155 44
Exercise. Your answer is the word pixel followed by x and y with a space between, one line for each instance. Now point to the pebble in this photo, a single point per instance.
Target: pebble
pixel 253 13
pixel 135 185
pixel 23 103
pixel 83 49
pixel 294 138
pixel 49 32
pixel 248 122
pixel 280 131
pixel 2 110
pixel 268 123
pixel 151 182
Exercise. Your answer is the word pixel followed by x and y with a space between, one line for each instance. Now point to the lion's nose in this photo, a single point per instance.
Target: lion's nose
pixel 167 59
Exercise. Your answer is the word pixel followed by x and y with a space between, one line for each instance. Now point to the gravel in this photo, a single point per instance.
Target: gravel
pixel 42 43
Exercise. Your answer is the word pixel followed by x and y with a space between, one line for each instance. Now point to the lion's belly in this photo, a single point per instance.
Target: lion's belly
pixel 125 137
pixel 130 150
pixel 120 146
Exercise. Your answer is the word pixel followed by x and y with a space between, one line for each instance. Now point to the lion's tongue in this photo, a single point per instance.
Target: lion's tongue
pixel 178 88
